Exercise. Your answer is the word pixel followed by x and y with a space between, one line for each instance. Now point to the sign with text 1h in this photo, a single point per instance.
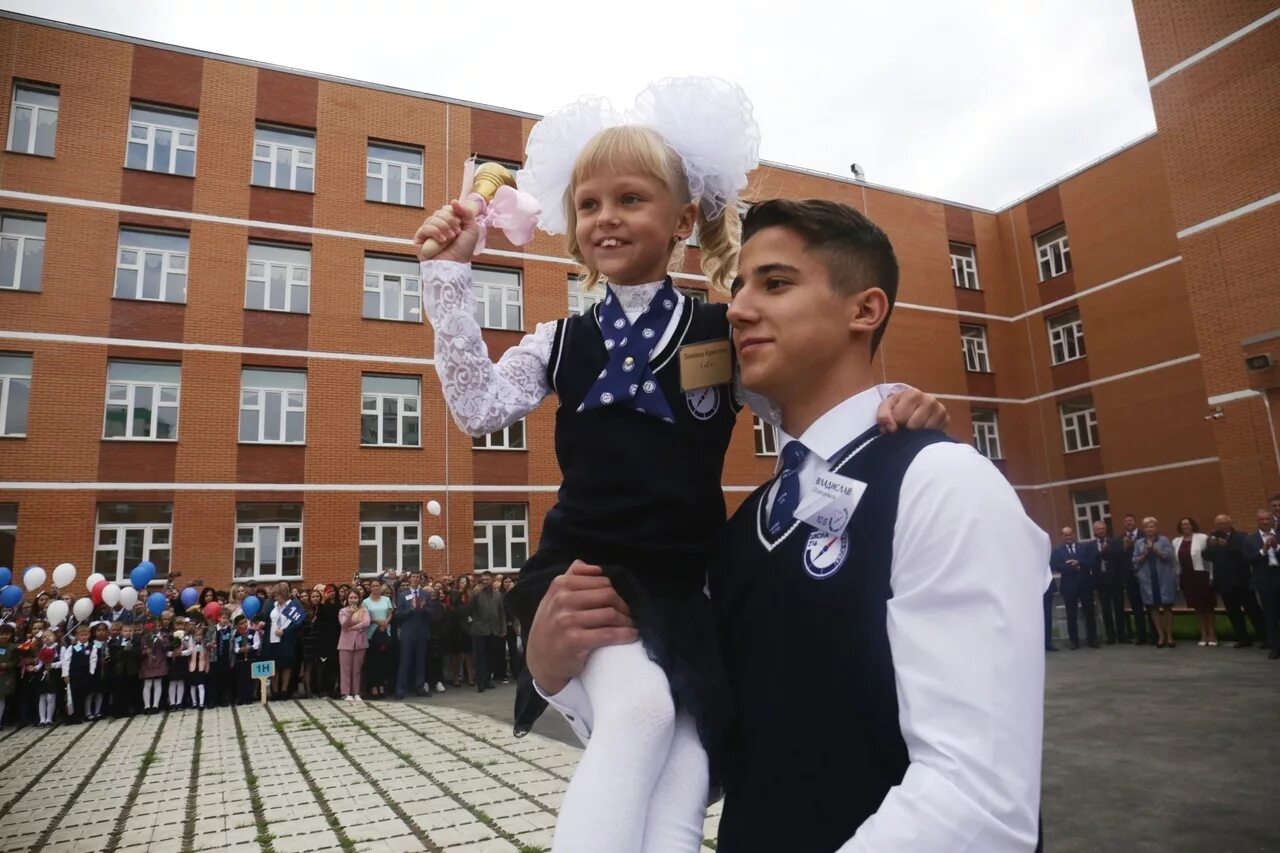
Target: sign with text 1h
pixel 264 669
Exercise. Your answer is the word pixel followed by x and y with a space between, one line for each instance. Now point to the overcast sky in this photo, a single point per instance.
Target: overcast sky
pixel 979 102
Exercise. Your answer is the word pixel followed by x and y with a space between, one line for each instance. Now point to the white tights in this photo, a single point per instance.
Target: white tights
pixel 176 688
pixel 641 786
pixel 197 695
pixel 151 692
pixel 93 705
pixel 48 704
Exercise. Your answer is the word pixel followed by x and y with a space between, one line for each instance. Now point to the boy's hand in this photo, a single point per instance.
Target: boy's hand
pixel 453 227
pixel 912 409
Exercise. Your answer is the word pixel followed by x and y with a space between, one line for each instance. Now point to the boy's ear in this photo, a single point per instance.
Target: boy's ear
pixel 868 310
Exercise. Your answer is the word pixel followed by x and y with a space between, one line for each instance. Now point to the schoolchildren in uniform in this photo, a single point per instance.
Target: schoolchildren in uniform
pixel 125 663
pixel 153 665
pixel 100 684
pixel 246 645
pixel 197 665
pixel 47 677
pixel 179 655
pixel 222 663
pixel 79 665
pixel 10 667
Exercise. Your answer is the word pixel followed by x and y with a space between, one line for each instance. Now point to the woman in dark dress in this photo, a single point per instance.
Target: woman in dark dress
pixel 326 629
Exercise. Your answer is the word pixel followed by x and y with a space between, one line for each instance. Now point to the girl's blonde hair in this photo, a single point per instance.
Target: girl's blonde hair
pixel 643 150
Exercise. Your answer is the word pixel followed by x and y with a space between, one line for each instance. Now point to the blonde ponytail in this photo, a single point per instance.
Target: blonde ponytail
pixel 720 240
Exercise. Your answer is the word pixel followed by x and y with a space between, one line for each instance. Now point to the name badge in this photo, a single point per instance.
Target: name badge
pixel 830 505
pixel 705 364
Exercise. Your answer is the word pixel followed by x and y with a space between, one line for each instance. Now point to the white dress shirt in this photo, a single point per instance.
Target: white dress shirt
pixel 965 627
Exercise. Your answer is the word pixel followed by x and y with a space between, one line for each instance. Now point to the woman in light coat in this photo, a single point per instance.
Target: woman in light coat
pixel 1154 556
pixel 353 619
pixel 1195 578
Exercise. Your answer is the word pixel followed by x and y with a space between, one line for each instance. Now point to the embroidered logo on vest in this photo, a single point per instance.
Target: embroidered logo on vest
pixel 825 553
pixel 703 402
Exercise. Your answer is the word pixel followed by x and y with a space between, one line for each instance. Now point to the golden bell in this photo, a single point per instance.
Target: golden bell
pixel 489 177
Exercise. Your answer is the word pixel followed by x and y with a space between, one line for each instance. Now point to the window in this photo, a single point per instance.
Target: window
pixel 278 279
pixel 696 294
pixel 273 406
pixel 21 252
pixel 392 289
pixel 268 542
pixel 511 166
pixel 161 141
pixel 390 538
pixel 510 437
pixel 1053 253
pixel 33 122
pixel 1091 507
pixel 986 433
pixel 1079 424
pixel 8 533
pixel 1066 337
pixel 393 175
pixel 389 411
pixel 284 159
pixel 580 301
pixel 964 266
pixel 142 401
pixel 129 534
pixel 152 266
pixel 501 537
pixel 974 341
pixel 766 437
pixel 15 396
pixel 498 300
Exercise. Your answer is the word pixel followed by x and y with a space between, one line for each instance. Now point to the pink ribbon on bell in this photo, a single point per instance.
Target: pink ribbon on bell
pixel 513 212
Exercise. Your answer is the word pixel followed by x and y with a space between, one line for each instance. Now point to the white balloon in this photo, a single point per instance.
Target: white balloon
pixel 83 609
pixel 435 543
pixel 63 575
pixel 111 594
pixel 92 581
pixel 128 597
pixel 56 612
pixel 33 578
pixel 433 507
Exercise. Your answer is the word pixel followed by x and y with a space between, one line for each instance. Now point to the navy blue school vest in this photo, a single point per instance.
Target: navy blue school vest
pixel 807 765
pixel 637 491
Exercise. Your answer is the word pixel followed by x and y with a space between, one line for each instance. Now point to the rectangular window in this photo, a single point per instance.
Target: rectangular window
pixel 278 278
pixel 273 406
pixel 390 411
pixel 1066 337
pixel 128 534
pixel 964 266
pixel 161 141
pixel 142 401
pixel 1053 253
pixel 580 301
pixel 1079 424
pixel 393 175
pixel 390 538
pixel 21 252
pixel 33 121
pixel 766 435
pixel 152 266
pixel 510 437
pixel 697 294
pixel 268 542
pixel 8 533
pixel 15 395
pixel 973 339
pixel 498 298
pixel 1091 507
pixel 392 289
pixel 501 537
pixel 284 159
pixel 986 433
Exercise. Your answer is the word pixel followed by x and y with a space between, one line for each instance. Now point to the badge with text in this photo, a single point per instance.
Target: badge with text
pixel 703 402
pixel 830 505
pixel 825 553
pixel 704 365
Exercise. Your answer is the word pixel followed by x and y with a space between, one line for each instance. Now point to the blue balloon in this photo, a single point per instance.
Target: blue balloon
pixel 156 603
pixel 189 596
pixel 11 596
pixel 138 577
pixel 6 576
pixel 251 605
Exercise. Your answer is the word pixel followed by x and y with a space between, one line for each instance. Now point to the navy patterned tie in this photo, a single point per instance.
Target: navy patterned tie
pixel 788 497
pixel 627 379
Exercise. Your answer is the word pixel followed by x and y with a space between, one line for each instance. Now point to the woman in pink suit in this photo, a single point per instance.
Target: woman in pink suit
pixel 352 643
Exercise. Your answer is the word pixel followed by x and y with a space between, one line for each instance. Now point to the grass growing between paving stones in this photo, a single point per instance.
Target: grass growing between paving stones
pixel 26 749
pixel 343 839
pixel 430 716
pixel 148 758
pixel 264 837
pixel 36 777
pixel 189 821
pixel 43 838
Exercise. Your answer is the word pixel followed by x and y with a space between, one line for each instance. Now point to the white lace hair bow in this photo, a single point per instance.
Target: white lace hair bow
pixel 706 120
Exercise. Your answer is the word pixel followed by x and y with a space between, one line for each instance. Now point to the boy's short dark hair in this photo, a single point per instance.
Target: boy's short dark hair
pixel 856 253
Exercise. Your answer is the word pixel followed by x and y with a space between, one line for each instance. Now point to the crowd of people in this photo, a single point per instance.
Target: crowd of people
pixel 376 639
pixel 1150 569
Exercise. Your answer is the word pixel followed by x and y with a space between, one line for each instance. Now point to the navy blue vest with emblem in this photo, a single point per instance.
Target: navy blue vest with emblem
pixel 638 491
pixel 806 766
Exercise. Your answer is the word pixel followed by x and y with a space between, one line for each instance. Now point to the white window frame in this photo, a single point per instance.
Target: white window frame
pixel 295 275
pixel 1053 253
pixel 502 440
pixel 1079 424
pixel 171 263
pixel 402 539
pixel 260 392
pixel 295 160
pixel 371 404
pixel 483 535
pixel 511 295
pixel 580 302
pixel 964 266
pixel 29 144
pixel 766 437
pixel 1088 512
pixel 973 343
pixel 20 250
pixel 148 141
pixel 149 544
pixel 986 432
pixel 376 281
pixel 377 168
pixel 254 529
pixel 1066 337
pixel 131 387
pixel 6 382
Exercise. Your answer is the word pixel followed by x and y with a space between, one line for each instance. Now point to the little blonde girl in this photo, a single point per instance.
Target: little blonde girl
pixel 640 442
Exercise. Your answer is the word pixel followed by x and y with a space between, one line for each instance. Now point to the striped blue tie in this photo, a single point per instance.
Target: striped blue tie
pixel 788 497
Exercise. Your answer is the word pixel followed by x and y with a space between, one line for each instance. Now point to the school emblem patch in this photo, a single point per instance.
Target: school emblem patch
pixel 703 402
pixel 825 553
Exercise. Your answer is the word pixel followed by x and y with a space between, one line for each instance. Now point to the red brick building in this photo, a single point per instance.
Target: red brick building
pixel 212 351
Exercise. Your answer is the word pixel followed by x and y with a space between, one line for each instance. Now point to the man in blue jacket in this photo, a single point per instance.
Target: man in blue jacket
pixel 413 619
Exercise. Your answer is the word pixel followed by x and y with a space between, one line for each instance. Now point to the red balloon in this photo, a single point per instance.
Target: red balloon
pixel 212 611
pixel 96 592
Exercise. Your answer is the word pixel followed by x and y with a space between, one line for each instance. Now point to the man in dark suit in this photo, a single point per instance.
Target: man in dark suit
pixel 1109 581
pixel 1263 549
pixel 1076 564
pixel 1231 572
pixel 413 619
pixel 1132 589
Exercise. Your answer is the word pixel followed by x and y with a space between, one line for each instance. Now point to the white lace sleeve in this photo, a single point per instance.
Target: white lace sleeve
pixel 483 397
